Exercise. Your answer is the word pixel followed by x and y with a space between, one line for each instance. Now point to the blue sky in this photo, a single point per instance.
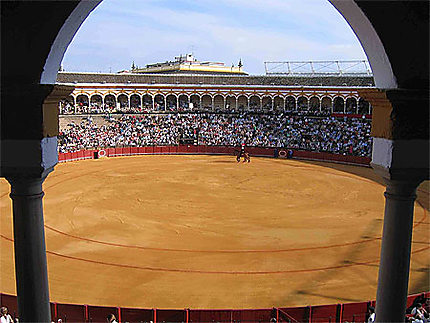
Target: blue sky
pixel 118 32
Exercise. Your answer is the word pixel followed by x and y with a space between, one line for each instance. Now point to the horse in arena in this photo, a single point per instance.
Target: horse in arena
pixel 244 154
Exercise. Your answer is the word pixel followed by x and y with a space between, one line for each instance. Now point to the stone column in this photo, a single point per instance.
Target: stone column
pixel 400 131
pixel 30 253
pixel 28 155
pixel 395 250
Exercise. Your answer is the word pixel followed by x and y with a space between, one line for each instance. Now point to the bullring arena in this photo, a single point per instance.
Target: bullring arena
pixel 199 231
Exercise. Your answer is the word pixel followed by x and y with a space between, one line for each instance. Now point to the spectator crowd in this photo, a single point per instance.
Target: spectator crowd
pixel 345 136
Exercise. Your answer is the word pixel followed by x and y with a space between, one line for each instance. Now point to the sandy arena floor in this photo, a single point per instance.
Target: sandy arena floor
pixel 206 232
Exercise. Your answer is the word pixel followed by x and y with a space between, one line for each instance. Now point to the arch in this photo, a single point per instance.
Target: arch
pixel 254 103
pixel 123 102
pixel 207 103
pixel 83 100
pixel 363 106
pixel 353 14
pixel 147 102
pixel 338 105
pixel 96 103
pixel 230 103
pixel 172 102
pixel 183 101
pixel 314 103
pixel 242 102
pixel 369 38
pixel 267 103
pixel 302 103
pixel 219 102
pixel 370 41
pixel 195 102
pixel 351 105
pixel 159 102
pixel 326 104
pixel 290 103
pixel 136 102
pixel 110 101
pixel 278 103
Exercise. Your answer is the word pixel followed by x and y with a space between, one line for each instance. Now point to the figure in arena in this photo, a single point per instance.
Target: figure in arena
pixel 243 153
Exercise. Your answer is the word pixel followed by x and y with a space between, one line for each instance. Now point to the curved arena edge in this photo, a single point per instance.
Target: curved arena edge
pixel 344 312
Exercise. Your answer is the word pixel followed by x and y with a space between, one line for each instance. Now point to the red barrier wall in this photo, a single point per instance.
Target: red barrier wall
pixel 300 314
pixel 136 315
pixel 71 313
pixel 324 313
pixel 171 315
pixel 209 150
pixel 351 312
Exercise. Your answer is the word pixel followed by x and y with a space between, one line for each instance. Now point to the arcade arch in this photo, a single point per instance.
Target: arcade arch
pixel 326 105
pixel 147 102
pixel 82 100
pixel 218 103
pixel 314 104
pixel 363 106
pixel 267 103
pixel 135 102
pixel 172 102
pixel 207 102
pixel 110 101
pixel 195 102
pixel 338 105
pixel 123 103
pixel 302 103
pixel 159 102
pixel 279 103
pixel 351 105
pixel 242 102
pixel 230 102
pixel 290 103
pixel 183 102
pixel 254 103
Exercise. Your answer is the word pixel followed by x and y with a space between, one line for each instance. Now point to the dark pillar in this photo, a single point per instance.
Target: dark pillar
pixel 395 251
pixel 400 131
pixel 30 252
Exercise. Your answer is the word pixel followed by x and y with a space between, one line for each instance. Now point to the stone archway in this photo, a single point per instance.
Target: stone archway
pixel 383 34
pixel 184 102
pixel 195 102
pixel 290 103
pixel 135 103
pixel 159 102
pixel 172 102
pixel 302 103
pixel 147 103
pixel 326 105
pixel 242 103
pixel 96 103
pixel 109 102
pixel 279 103
pixel 338 105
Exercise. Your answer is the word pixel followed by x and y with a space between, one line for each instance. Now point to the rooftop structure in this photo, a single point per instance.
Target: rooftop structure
pixel 188 64
pixel 319 68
